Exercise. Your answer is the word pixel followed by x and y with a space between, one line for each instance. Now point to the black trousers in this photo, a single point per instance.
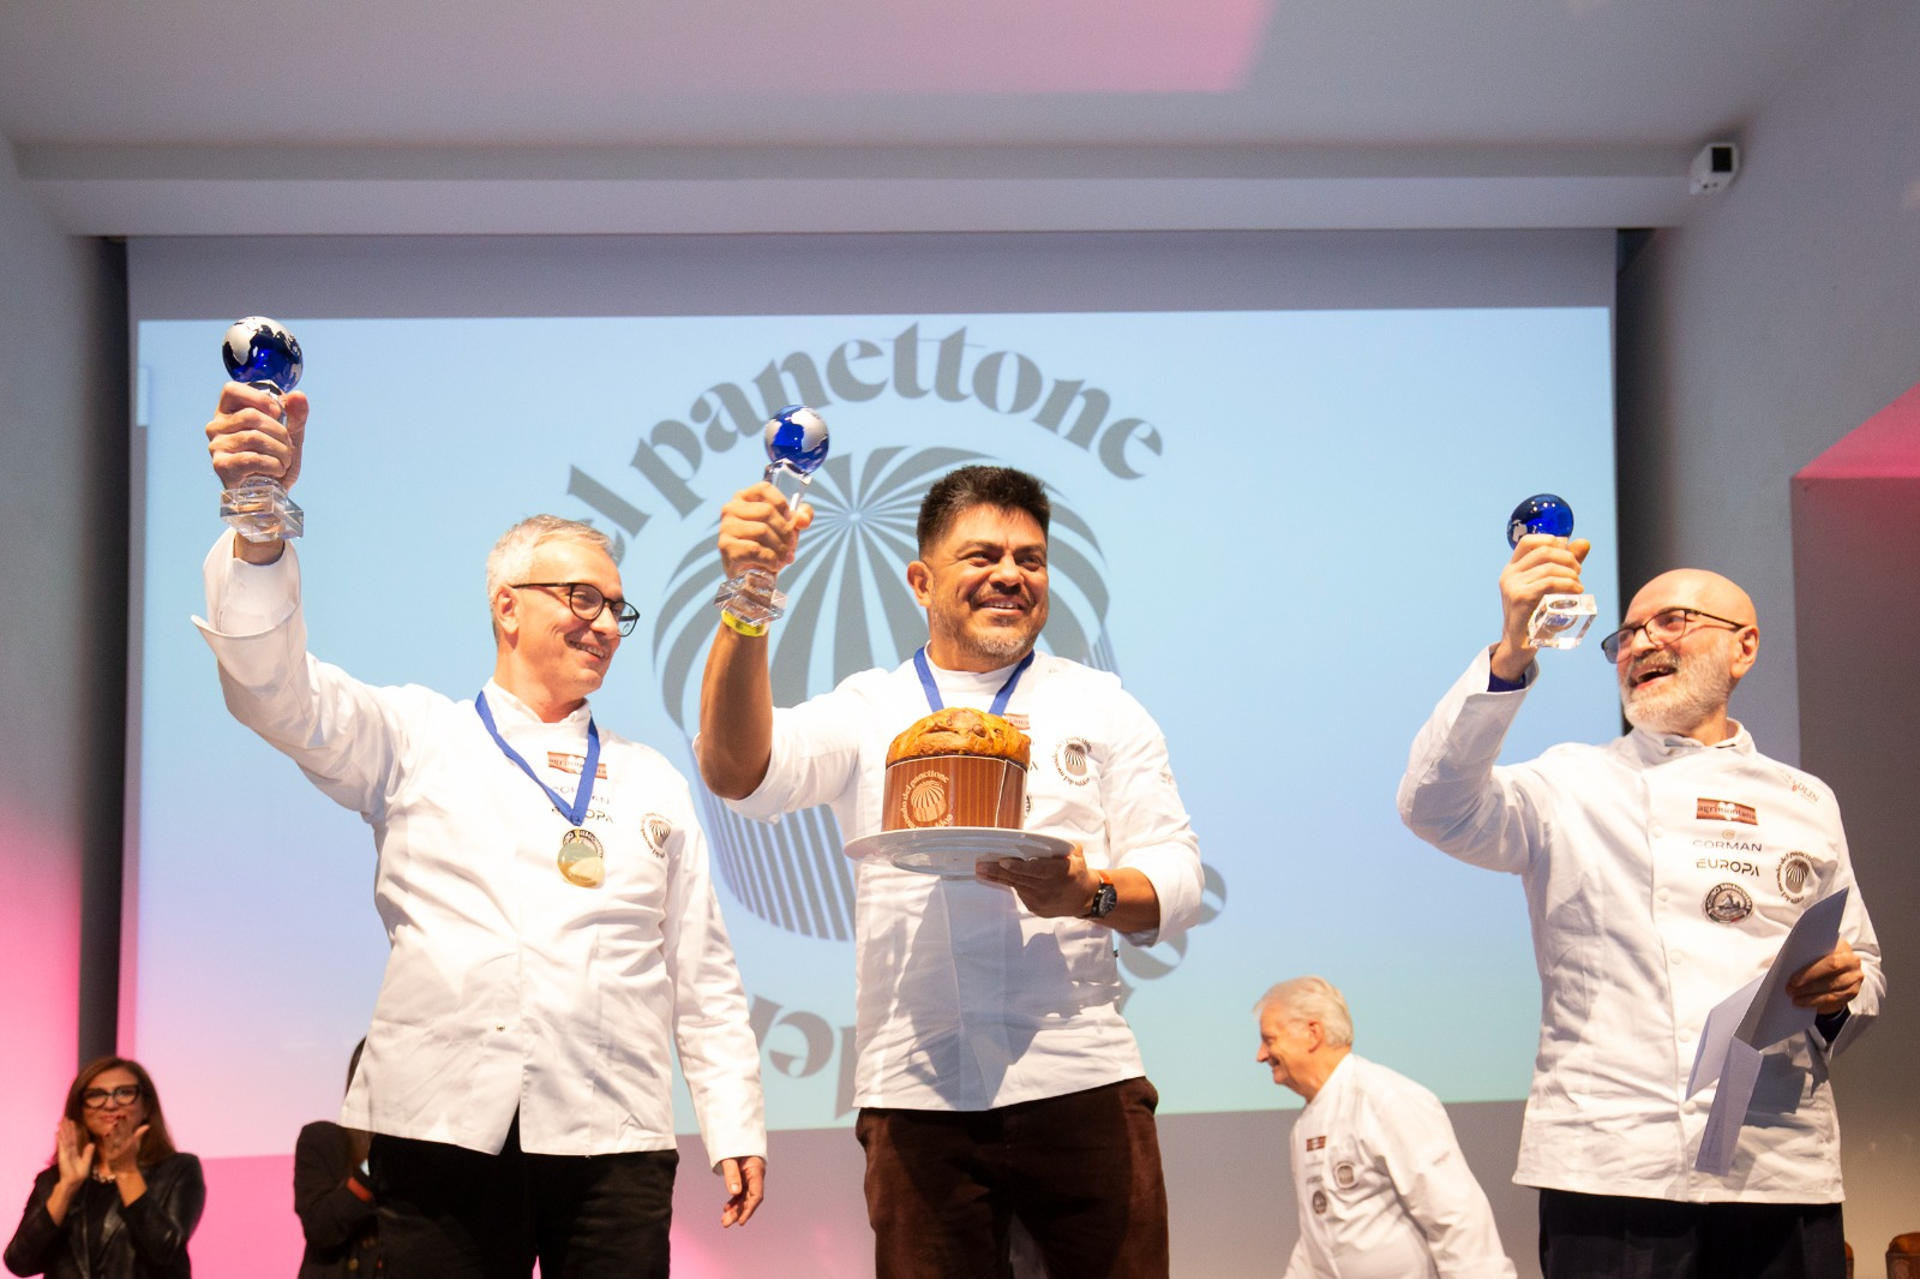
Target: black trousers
pixel 1615 1237
pixel 450 1213
pixel 1081 1172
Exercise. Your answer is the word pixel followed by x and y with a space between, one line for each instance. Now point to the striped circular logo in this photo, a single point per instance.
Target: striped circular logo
pixel 1071 759
pixel 1795 875
pixel 925 801
pixel 657 830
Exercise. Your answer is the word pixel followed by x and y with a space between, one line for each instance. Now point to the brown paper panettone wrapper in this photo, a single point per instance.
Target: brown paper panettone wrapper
pixel 954 790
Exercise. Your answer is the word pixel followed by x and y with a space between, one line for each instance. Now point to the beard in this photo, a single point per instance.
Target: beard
pixel 1003 647
pixel 994 645
pixel 1696 691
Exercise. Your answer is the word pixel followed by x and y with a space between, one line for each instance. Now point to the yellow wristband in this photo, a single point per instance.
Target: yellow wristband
pixel 751 630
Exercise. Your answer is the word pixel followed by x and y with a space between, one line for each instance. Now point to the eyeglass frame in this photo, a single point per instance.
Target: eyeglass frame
pixel 625 615
pixel 1618 640
pixel 97 1098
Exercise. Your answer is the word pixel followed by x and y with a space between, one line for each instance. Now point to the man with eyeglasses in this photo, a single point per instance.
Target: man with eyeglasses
pixel 1662 872
pixel 545 889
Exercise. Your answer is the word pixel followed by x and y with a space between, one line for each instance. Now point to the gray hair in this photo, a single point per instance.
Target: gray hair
pixel 511 558
pixel 1312 999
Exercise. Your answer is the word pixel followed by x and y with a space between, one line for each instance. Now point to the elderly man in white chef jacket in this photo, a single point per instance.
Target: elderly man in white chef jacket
pixel 554 934
pixel 1382 1188
pixel 1663 871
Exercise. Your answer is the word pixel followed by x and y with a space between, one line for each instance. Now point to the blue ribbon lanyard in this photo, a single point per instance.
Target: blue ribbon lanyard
pixel 576 812
pixel 1000 699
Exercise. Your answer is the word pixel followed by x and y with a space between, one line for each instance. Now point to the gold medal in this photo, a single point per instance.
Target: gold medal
pixel 582 861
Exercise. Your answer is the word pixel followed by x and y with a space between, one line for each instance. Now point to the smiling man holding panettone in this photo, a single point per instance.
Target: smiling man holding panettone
pixel 996 1078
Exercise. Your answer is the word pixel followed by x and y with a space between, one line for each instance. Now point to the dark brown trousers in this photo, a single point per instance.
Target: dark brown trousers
pixel 1080 1172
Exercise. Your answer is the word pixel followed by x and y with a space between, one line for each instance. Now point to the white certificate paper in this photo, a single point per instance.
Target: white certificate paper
pixel 1751 1020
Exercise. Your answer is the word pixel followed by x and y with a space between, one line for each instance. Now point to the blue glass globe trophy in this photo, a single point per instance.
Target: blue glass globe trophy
pixel 796 439
pixel 1560 621
pixel 264 355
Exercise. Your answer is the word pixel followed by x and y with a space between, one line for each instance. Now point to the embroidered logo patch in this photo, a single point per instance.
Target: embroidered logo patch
pixel 1795 874
pixel 656 830
pixel 1319 1202
pixel 1316 1143
pixel 1344 1176
pixel 1727 904
pixel 1071 759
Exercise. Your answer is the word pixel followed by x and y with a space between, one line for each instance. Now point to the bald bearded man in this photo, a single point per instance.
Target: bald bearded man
pixel 1662 873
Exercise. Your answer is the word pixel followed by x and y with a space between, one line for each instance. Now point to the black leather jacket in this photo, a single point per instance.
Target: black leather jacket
pixel 146 1239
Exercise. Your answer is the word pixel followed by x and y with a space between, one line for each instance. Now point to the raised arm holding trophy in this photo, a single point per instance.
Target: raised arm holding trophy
pixel 264 355
pixel 1561 619
pixel 797 442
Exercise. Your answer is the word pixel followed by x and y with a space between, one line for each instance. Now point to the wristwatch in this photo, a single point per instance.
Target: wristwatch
pixel 1104 898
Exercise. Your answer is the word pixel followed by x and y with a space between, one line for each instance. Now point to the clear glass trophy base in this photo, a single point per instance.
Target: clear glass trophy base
pixel 259 510
pixel 751 597
pixel 1561 621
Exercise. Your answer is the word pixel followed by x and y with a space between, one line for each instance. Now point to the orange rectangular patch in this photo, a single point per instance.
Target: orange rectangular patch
pixel 574 763
pixel 1725 810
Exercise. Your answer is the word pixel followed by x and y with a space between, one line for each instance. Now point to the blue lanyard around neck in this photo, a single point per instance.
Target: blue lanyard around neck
pixel 1000 699
pixel 576 812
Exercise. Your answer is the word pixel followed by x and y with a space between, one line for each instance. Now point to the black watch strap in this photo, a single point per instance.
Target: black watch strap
pixel 1105 898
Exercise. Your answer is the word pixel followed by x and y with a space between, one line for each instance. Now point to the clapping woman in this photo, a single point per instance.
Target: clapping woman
pixel 118 1201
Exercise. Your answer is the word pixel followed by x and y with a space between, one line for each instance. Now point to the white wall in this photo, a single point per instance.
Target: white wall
pixel 62 646
pixel 1778 318
pixel 1782 315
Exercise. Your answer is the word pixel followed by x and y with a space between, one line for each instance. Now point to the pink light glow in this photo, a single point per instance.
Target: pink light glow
pixel 39 1002
pixel 249 1228
pixel 1070 46
pixel 990 46
pixel 1885 446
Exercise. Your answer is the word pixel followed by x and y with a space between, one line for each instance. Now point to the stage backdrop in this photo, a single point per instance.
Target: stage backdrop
pixel 1281 527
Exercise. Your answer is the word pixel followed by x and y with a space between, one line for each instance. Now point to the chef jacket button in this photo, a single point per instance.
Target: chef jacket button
pixel 500 1025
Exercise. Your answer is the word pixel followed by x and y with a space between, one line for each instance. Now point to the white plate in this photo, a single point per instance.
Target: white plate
pixel 951 851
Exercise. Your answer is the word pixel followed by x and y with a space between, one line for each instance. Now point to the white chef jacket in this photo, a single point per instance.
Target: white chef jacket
pixel 508 989
pixel 1661 876
pixel 1383 1190
pixel 965 1000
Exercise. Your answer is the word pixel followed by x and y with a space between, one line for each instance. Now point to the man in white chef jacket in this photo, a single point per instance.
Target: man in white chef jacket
pixel 1382 1188
pixel 996 1078
pixel 1662 872
pixel 545 891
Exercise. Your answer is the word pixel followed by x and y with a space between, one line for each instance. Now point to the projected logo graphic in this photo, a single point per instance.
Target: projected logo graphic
pixel 849 610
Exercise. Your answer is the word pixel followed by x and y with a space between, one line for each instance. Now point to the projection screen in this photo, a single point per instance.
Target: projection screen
pixel 1281 466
